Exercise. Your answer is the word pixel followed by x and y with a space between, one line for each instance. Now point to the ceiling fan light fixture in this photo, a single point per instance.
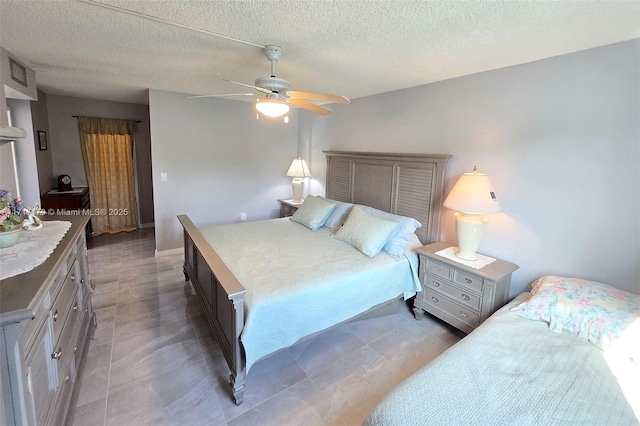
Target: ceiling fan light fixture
pixel 272 107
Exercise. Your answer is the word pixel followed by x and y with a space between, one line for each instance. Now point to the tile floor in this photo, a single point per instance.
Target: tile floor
pixel 154 361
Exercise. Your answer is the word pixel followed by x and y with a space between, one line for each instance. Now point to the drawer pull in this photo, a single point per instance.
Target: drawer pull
pixel 57 354
pixel 468 281
pixel 75 307
pixel 435 299
pixel 66 379
pixel 75 349
pixel 465 297
pixel 436 284
pixel 55 315
pixel 73 277
pixel 464 314
pixel 82 281
pixel 437 268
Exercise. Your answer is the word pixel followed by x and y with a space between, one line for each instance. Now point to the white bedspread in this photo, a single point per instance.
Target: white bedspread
pixel 514 371
pixel 300 282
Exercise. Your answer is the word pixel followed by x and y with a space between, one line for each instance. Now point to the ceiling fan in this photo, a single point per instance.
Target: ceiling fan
pixel 277 94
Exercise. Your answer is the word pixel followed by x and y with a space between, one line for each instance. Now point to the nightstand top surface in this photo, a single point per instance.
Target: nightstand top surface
pixel 291 202
pixel 494 271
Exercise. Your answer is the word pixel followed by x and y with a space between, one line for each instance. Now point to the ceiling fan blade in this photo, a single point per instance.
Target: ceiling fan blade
pixel 310 106
pixel 222 95
pixel 323 97
pixel 259 89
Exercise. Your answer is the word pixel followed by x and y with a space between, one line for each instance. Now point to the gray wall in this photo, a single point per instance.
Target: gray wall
pixel 559 139
pixel 220 161
pixel 44 159
pixel 65 142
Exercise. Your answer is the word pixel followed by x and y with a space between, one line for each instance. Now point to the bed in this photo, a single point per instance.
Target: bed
pixel 567 355
pixel 252 278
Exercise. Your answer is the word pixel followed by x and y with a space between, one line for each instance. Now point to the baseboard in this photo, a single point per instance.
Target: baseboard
pixel 147 225
pixel 171 252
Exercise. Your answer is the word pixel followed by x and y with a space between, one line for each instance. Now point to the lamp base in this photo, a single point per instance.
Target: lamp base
pixel 297 186
pixel 469 230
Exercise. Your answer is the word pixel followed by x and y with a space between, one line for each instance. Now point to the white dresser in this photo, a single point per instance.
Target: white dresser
pixel 46 321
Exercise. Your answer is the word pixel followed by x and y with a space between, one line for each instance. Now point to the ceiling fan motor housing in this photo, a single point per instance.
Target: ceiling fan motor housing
pixel 274 84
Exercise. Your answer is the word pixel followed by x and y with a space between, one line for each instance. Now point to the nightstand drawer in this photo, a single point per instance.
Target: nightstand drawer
pixel 462 296
pixel 451 308
pixel 286 211
pixel 469 281
pixel 439 269
pixel 288 207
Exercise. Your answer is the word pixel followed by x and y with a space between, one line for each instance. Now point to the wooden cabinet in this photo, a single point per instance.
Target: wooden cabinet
pixel 69 203
pixel 46 320
pixel 288 207
pixel 457 294
pixel 76 199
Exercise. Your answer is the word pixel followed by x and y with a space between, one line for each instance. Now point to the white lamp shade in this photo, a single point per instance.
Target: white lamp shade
pixel 473 194
pixel 272 108
pixel 298 169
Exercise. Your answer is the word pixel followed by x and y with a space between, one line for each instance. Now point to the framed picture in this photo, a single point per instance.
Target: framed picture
pixel 42 140
pixel 18 72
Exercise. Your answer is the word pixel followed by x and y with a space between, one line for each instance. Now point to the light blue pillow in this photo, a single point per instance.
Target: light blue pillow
pixel 399 238
pixel 314 212
pixel 338 215
pixel 365 232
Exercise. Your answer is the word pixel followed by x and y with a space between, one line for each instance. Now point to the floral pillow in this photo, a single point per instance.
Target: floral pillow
pixel 600 314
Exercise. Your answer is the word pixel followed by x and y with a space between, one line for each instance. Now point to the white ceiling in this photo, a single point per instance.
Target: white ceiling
pixel 352 48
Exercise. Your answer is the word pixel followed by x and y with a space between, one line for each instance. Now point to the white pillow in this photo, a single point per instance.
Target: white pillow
pixel 314 212
pixel 365 232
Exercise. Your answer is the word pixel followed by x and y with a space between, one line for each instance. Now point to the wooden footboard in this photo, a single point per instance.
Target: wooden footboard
pixel 222 298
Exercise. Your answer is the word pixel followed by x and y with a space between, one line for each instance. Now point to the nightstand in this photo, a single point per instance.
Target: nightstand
pixel 457 294
pixel 288 207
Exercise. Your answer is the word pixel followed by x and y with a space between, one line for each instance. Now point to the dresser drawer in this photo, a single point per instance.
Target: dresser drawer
pixel 463 296
pixel 65 391
pixel 81 339
pixel 40 385
pixel 439 269
pixel 468 281
pixel 29 329
pixel 443 304
pixel 63 349
pixel 68 264
pixel 62 305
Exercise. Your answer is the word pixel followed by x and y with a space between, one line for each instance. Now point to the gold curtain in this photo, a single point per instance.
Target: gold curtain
pixel 107 150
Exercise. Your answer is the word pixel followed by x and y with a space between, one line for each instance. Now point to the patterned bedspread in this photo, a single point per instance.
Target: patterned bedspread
pixel 514 371
pixel 300 282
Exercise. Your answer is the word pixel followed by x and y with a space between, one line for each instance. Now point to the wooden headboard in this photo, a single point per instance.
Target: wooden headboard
pixel 404 184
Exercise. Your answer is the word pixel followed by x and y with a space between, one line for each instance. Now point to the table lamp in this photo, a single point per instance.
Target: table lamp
pixel 298 171
pixel 472 196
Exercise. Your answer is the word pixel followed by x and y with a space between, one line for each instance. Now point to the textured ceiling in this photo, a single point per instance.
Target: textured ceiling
pixel 352 48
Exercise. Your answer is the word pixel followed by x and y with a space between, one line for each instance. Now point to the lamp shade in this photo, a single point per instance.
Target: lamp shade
pixel 272 107
pixel 473 194
pixel 298 169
